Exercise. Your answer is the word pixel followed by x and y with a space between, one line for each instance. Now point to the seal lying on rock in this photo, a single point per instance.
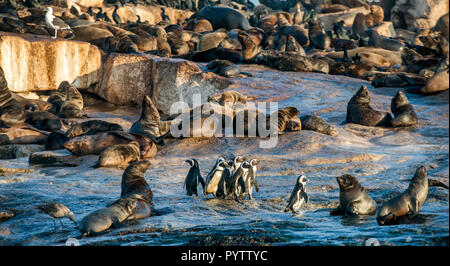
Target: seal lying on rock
pixel 134 203
pixel 360 112
pixel 404 114
pixel 318 124
pixel 407 203
pixel 230 97
pixel 57 97
pixel 223 17
pixel 224 68
pixel 118 155
pixel 92 127
pixel 94 144
pixel 43 120
pixel 12 113
pixel 353 198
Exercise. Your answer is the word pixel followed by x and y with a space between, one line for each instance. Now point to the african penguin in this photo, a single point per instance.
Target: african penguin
pixel 298 195
pixel 193 178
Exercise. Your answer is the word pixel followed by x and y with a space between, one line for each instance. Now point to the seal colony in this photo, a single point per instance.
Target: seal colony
pixel 225 37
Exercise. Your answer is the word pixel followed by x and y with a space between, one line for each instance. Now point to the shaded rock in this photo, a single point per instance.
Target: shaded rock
pixel 14 151
pixel 53 159
pixel 414 14
pixel 348 16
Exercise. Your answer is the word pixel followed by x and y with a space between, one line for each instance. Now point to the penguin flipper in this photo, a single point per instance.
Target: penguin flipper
pixel 200 179
pixel 305 196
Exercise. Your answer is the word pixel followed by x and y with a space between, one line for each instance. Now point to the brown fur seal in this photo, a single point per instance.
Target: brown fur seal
pixel 94 144
pixel 134 203
pixel 404 114
pixel 119 155
pixel 92 127
pixel 284 116
pixel 57 97
pixel 72 106
pixel 223 17
pixel 380 41
pixel 353 198
pixel 359 24
pixel 360 112
pixel 211 40
pixel 12 113
pixel 407 203
pixel 43 120
pixel 318 124
pixel 149 123
pixel 224 68
pixel 199 25
pixel 293 46
pixel 375 16
pixel 249 48
pixel 230 97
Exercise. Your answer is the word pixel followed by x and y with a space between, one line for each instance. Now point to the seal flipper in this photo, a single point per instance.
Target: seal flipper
pixel 116 223
pixel 351 211
pixel 337 211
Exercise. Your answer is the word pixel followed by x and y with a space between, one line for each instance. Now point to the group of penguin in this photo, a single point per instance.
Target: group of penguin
pixel 235 179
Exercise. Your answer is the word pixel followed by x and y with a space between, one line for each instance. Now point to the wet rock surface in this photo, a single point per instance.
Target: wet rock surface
pixel 382 159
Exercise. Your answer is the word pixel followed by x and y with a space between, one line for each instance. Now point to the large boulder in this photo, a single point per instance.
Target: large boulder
pixel 348 16
pixel 33 64
pixel 418 14
pixel 178 80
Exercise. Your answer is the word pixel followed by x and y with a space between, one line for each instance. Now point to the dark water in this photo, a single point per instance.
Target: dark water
pixel 382 159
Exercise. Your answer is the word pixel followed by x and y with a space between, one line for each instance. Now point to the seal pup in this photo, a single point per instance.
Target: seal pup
pixel 298 195
pixel 149 123
pixel 404 114
pixel 360 112
pixel 249 48
pixel 12 112
pixel 56 140
pixel 228 97
pixel 56 98
pixel 284 116
pixel 408 203
pixel 119 155
pixel 353 198
pixel 54 22
pixel 57 210
pixel 223 68
pixel 193 178
pixel 72 107
pixel 318 124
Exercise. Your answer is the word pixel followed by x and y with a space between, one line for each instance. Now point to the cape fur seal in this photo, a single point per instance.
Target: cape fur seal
pixel 404 114
pixel 149 123
pixel 318 124
pixel 228 97
pixel 407 203
pixel 119 155
pixel 43 120
pixel 360 112
pixel 223 17
pixel 353 198
pixel 95 144
pixel 92 127
pixel 134 203
pixel 72 107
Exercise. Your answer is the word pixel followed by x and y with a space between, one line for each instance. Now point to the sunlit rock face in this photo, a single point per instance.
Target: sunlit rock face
pixel 33 64
pixel 414 14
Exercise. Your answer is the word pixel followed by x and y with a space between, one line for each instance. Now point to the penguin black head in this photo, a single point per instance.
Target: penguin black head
pixel 192 162
pixel 302 180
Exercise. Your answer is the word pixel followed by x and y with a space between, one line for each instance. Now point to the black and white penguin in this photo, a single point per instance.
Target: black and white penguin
pixel 298 195
pixel 214 177
pixel 193 178
pixel 250 178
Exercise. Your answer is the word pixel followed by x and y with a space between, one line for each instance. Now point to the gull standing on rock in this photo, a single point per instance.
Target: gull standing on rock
pixel 54 22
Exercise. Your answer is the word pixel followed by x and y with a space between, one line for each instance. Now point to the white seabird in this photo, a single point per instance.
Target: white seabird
pixel 54 22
